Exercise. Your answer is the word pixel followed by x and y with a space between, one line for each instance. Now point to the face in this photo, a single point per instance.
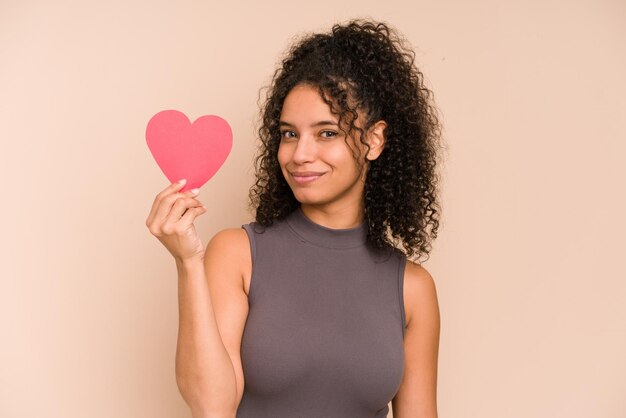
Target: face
pixel 314 156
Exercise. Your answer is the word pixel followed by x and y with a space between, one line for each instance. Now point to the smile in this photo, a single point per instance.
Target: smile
pixel 305 178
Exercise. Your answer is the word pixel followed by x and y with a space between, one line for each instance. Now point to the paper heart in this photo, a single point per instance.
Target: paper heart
pixel 194 151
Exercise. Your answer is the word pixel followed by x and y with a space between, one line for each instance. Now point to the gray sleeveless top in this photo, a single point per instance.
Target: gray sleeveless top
pixel 325 328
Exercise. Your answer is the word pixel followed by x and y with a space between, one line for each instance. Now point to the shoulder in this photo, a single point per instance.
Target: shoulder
pixel 229 241
pixel 417 395
pixel 229 248
pixel 420 294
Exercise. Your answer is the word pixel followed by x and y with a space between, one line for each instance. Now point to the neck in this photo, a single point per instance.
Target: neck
pixel 344 217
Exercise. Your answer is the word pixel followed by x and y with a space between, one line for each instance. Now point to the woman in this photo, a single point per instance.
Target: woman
pixel 314 309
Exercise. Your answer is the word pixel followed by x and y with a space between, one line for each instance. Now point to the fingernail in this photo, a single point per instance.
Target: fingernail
pixel 182 181
pixel 194 191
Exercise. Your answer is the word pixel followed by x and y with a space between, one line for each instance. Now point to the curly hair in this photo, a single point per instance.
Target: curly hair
pixel 362 65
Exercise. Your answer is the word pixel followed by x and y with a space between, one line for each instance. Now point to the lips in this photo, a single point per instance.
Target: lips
pixel 305 177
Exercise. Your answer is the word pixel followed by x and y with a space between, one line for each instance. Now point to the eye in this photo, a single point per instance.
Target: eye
pixel 287 134
pixel 328 134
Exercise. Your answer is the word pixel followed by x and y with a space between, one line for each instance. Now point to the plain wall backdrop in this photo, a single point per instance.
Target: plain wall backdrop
pixel 528 263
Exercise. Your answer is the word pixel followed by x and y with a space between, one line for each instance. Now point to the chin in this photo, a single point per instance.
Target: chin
pixel 309 198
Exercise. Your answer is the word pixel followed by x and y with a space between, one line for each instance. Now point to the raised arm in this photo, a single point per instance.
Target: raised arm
pixel 213 305
pixel 213 309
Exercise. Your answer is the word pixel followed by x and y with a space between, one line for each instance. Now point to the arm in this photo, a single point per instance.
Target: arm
pixel 417 396
pixel 212 312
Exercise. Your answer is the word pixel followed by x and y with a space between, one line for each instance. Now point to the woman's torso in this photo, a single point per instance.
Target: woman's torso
pixel 324 333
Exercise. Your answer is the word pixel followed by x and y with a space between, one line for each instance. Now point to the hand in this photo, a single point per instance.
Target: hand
pixel 171 221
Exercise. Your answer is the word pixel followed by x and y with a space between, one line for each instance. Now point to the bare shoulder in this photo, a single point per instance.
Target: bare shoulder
pixel 417 396
pixel 233 241
pixel 229 251
pixel 420 294
pixel 227 264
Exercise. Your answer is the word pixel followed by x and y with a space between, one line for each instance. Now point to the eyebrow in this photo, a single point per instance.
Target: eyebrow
pixel 316 124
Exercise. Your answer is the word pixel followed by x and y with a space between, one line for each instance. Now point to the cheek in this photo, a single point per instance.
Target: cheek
pixel 282 156
pixel 341 158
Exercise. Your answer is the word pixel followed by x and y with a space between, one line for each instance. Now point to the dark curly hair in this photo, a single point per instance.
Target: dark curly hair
pixel 362 65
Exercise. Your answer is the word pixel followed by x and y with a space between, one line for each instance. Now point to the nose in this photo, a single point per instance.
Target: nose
pixel 305 151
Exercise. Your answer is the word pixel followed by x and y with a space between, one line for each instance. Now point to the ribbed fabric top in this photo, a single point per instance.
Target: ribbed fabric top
pixel 326 237
pixel 325 328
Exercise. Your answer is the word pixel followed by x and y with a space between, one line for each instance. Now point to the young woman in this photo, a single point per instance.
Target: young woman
pixel 315 309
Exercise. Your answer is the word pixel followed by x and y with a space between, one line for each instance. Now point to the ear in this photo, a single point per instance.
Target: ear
pixel 376 140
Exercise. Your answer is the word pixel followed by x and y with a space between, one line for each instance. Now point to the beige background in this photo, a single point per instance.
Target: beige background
pixel 531 284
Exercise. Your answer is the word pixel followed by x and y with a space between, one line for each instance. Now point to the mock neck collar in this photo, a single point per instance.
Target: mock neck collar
pixel 323 236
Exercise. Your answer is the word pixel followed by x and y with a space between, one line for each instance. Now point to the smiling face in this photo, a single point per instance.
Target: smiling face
pixel 315 158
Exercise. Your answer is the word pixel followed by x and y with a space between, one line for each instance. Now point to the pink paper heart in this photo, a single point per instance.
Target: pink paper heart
pixel 182 149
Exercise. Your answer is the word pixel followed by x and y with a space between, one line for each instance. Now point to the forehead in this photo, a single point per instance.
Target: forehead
pixel 304 97
pixel 304 102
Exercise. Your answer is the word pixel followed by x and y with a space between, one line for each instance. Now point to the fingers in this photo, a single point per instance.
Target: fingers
pixel 190 215
pixel 183 202
pixel 170 205
pixel 159 197
pixel 181 216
